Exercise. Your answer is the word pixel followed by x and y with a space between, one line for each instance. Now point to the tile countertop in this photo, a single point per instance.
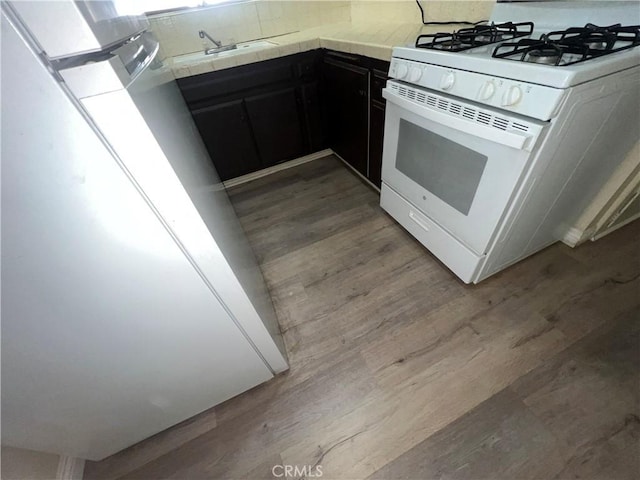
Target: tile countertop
pixel 370 40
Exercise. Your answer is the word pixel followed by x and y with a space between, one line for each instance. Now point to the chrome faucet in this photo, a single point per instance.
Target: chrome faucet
pixel 204 34
pixel 218 45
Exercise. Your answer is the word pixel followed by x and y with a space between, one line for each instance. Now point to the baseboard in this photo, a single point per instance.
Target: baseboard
pixel 70 468
pixel 573 237
pixel 277 168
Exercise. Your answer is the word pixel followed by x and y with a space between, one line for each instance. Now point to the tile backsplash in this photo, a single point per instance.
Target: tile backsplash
pixel 244 21
pixel 254 19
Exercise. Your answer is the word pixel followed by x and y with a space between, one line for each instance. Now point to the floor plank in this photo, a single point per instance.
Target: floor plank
pixel 575 416
pixel 399 370
pixel 587 396
pixel 500 438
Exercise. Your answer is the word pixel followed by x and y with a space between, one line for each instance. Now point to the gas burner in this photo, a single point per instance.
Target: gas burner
pixel 440 41
pixel 572 45
pixel 475 36
pixel 452 45
pixel 597 45
pixel 487 38
pixel 547 56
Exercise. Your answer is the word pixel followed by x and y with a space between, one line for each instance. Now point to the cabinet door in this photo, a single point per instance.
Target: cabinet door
pixel 313 116
pixel 346 114
pixel 376 141
pixel 277 126
pixel 227 135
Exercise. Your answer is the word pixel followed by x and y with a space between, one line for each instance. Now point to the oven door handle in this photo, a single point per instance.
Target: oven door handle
pixel 510 139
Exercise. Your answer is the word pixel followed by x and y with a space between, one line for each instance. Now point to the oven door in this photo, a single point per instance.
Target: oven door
pixel 456 162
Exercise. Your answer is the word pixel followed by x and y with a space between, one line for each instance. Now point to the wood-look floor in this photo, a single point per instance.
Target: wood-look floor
pixel 400 371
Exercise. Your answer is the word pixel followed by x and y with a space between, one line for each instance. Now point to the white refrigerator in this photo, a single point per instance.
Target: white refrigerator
pixel 131 299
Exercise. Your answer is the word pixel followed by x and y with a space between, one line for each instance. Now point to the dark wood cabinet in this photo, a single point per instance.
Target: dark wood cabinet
pixel 227 135
pixel 355 110
pixel 258 115
pixel 346 111
pixel 312 111
pixel 277 125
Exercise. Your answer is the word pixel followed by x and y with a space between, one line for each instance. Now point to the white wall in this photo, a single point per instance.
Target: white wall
pixel 178 32
pixel 406 11
pixel 596 216
pixel 21 464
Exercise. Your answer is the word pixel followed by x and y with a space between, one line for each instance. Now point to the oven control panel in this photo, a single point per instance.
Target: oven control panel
pixel 528 99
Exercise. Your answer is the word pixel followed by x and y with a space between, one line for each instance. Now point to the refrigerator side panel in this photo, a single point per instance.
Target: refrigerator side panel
pixel 109 333
pixel 169 161
pixel 65 28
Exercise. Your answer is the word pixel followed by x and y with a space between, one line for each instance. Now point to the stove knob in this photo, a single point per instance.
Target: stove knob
pixel 447 81
pixel 402 70
pixel 487 90
pixel 416 74
pixel 512 96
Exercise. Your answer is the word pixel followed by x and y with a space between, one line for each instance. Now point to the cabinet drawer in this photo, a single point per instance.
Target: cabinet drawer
pixel 462 261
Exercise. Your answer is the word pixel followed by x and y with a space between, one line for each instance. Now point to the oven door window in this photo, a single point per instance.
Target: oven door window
pixel 448 170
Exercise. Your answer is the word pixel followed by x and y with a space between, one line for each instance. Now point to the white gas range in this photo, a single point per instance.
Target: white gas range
pixel 498 136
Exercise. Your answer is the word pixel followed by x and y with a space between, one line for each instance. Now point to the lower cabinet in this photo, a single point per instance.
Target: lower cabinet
pixel 277 125
pixel 346 90
pixel 226 133
pixel 355 109
pixel 258 115
pixel 316 133
pixel 255 116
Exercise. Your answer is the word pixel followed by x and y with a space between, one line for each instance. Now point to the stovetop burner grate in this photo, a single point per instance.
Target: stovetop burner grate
pixel 475 36
pixel 571 46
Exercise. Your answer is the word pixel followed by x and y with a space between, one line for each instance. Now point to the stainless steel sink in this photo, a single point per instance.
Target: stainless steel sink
pixel 216 50
pixel 224 51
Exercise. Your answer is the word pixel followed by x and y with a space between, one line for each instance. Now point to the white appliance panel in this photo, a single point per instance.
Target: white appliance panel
pixel 590 140
pixel 589 110
pixel 109 333
pixel 480 61
pixel 477 63
pixel 537 101
pixel 168 148
pixel 459 172
pixel 458 258
pixel 65 28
